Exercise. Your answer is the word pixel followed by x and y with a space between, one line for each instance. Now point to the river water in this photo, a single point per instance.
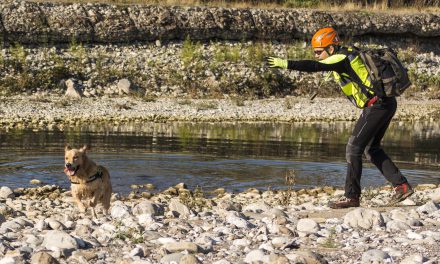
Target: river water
pixel 235 156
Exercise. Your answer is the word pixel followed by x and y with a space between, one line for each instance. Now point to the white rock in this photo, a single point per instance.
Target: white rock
pixel 146 207
pixel 137 251
pixel 8 260
pixel 120 211
pixel 241 242
pixel 427 208
pixel 408 202
pixel 306 256
pixel 255 256
pixel 12 225
pixel 222 261
pixel 275 212
pixel 363 218
pixel 393 252
pixel 146 220
pixel 181 246
pixel 6 192
pixel 280 242
pixel 413 235
pixel 375 256
pixel 267 247
pixel 233 219
pixel 59 239
pixel 73 89
pixel 413 259
pixel 399 215
pixel 109 227
pixel 394 225
pixel 429 233
pixel 124 86
pixel 165 240
pixel 55 224
pixel 179 207
pixel 435 195
pixel 171 258
pixel 41 225
pixel 259 207
pixel 307 225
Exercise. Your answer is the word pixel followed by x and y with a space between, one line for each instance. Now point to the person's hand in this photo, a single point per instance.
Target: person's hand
pixel 274 62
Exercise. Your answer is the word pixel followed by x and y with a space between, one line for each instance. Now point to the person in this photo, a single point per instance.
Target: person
pixel 350 72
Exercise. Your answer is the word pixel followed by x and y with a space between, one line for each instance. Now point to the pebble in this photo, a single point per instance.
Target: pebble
pixel 141 234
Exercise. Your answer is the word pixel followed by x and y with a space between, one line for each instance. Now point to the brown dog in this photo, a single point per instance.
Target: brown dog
pixel 90 183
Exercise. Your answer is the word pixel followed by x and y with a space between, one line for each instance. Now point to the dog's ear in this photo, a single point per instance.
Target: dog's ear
pixel 84 148
pixel 67 148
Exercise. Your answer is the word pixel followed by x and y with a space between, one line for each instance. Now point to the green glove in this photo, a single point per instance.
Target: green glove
pixel 274 62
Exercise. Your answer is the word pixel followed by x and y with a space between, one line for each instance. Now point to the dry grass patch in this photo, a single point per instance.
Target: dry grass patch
pixel 399 6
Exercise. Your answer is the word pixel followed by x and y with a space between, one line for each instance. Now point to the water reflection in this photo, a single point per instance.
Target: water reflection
pixel 237 155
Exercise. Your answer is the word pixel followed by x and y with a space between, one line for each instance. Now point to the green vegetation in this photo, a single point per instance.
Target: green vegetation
pixel 206 106
pixel 331 239
pixel 256 53
pixel 191 52
pixel 194 200
pixel 21 78
pixel 287 195
pixel 298 50
pixel 128 233
pixel 199 71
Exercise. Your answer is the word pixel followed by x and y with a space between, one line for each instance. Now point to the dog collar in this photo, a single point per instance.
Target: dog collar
pixel 95 176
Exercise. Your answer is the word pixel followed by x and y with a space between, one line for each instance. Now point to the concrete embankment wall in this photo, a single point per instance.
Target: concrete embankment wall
pixel 41 23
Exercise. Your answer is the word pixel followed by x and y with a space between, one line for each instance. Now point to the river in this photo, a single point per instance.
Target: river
pixel 235 156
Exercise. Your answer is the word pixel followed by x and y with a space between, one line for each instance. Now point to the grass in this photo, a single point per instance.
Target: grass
pixel 127 233
pixel 206 106
pixel 191 52
pixel 328 5
pixel 289 180
pixel 194 200
pixel 238 101
pixel 331 240
pixel 200 71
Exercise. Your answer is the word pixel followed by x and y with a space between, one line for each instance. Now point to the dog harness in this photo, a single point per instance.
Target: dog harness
pixel 95 176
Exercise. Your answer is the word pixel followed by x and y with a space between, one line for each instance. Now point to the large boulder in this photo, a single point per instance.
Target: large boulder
pixel 363 218
pixel 59 239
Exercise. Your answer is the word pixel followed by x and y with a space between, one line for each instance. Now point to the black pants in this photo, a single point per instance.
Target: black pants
pixel 366 138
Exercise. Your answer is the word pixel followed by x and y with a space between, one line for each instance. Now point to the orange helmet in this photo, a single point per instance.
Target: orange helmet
pixel 325 37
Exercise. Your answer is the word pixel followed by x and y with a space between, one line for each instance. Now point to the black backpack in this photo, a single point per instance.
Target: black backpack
pixel 387 74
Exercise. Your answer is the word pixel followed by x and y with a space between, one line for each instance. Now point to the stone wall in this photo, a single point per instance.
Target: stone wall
pixel 41 23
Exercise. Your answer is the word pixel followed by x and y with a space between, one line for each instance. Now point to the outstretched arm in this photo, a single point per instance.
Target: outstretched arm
pixel 315 66
pixel 335 63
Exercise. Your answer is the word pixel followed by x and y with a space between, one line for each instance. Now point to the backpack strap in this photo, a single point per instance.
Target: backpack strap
pixel 365 89
pixel 351 53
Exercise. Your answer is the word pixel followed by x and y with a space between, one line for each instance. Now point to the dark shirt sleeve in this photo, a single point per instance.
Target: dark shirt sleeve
pixel 316 66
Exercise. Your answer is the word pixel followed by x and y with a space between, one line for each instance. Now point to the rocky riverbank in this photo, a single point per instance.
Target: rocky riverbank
pixel 193 52
pixel 187 69
pixel 41 225
pixel 58 112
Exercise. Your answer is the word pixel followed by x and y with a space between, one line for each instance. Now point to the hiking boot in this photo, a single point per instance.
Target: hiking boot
pixel 401 192
pixel 345 203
